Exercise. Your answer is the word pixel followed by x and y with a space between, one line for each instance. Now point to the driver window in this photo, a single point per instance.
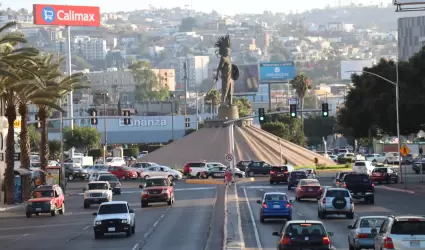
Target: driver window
pixel 163 169
pixel 384 226
pixel 152 169
pixel 356 224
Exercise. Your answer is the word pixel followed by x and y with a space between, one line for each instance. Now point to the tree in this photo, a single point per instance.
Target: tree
pixel 188 24
pixel 148 85
pixel 214 98
pixel 54 149
pixel 34 138
pixel 82 138
pixel 290 128
pixel 316 127
pixel 301 83
pixel 244 106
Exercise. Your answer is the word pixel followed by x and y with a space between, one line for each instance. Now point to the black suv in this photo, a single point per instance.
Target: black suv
pixel 258 167
pixel 360 186
pixel 295 177
pixel 242 165
pixel 73 171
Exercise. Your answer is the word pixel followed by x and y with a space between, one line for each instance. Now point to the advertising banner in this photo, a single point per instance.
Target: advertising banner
pixel 53 176
pixel 248 81
pixel 66 15
pixel 277 71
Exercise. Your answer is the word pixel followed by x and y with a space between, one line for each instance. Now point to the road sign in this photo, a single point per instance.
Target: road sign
pixel 229 157
pixel 294 101
pixel 404 150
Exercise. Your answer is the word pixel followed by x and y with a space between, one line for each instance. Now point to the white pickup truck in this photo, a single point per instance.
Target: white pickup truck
pixel 114 217
pixel 97 192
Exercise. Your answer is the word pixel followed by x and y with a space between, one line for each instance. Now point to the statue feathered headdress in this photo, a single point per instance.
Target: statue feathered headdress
pixel 222 46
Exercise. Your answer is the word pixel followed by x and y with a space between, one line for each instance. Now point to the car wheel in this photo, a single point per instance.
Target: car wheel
pixel 262 220
pixel 144 204
pixel 133 228
pixel 198 176
pixel 128 233
pixel 170 202
pixel 62 210
pixel 86 205
pixel 28 215
pixel 171 178
pixel 53 212
pixel 70 177
pixel 146 177
pixel 123 178
pixel 289 218
pixel 251 174
pixel 97 235
pixel 371 200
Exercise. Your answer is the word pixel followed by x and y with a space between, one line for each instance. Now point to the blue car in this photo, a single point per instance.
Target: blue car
pixel 275 205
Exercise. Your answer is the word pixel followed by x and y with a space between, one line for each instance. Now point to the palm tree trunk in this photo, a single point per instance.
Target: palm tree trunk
pixel 302 113
pixel 25 150
pixel 44 144
pixel 10 152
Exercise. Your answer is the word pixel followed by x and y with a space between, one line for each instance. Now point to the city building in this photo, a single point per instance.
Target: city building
pixel 166 78
pixel 411 36
pixel 197 70
pixel 89 48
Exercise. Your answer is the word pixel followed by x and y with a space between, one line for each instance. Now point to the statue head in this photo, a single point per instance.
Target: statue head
pixel 223 46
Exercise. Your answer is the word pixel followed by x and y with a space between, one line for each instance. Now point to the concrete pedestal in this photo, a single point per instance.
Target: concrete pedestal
pixel 228 112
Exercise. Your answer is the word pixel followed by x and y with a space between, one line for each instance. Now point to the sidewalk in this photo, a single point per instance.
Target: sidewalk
pixel 411 188
pixel 233 236
pixel 4 208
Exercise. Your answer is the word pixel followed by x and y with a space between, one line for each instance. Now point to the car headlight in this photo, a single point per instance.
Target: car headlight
pixel 165 191
pixel 98 222
pixel 124 221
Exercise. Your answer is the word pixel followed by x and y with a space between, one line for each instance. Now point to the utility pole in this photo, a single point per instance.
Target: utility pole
pixel 185 90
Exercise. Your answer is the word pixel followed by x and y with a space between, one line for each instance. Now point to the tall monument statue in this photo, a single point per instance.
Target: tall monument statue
pixel 225 70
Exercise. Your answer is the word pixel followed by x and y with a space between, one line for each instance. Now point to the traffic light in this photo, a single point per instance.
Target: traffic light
pixel 293 110
pixel 325 109
pixel 186 122
pixel 93 119
pixel 127 121
pixel 261 115
pixel 37 124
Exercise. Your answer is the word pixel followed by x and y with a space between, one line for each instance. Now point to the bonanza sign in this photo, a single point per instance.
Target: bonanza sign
pixel 66 15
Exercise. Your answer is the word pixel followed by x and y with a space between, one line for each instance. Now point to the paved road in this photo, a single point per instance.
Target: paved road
pixel 386 202
pixel 186 224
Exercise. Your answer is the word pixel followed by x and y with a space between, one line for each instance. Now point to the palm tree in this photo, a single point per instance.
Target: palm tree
pixel 301 83
pixel 214 97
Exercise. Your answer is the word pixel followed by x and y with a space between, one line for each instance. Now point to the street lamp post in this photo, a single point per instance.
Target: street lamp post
pixel 396 84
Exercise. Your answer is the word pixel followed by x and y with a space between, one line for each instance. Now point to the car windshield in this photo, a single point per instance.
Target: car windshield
pixel 93 186
pixel 108 159
pixel 337 193
pixel 408 227
pixel 156 182
pixel 125 168
pixel 113 209
pixel 108 178
pixel 379 170
pixel 42 194
pixel 275 197
pixel 305 229
pixel 360 163
pixel 371 222
pixel 310 182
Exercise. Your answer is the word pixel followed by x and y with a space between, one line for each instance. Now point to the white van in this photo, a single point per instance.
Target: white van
pixel 363 167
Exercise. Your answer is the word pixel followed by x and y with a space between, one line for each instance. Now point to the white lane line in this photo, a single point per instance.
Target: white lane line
pixel 254 225
pixel 15 240
pixel 259 187
pixel 395 189
pixel 299 214
pixel 241 237
pixel 226 214
pixel 176 190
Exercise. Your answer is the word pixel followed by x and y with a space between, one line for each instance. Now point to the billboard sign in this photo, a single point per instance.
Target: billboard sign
pixel 408 2
pixel 248 81
pixel 277 71
pixel 347 67
pixel 66 15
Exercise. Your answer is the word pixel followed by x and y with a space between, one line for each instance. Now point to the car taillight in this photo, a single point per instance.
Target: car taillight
pixel 285 172
pixel 362 236
pixel 264 205
pixel 285 240
pixel 324 200
pixel 272 172
pixel 326 241
pixel 345 185
pixel 373 184
pixel 288 205
pixel 388 243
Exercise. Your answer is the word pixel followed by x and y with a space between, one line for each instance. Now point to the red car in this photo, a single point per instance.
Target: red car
pixel 123 173
pixel 46 199
pixel 384 174
pixel 157 189
pixel 308 189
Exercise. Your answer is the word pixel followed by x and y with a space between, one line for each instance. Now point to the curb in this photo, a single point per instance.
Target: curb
pixel 226 214
pixel 237 242
pixel 210 182
pixel 4 209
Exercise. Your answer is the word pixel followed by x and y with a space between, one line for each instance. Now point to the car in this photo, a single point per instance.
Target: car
pixel 258 167
pixel 339 176
pixel 114 217
pixel 304 234
pixel 219 172
pixel 360 186
pixel 363 167
pixel 311 173
pixel 177 174
pixel 416 164
pixel 280 174
pixel 275 205
pixel 392 158
pixel 335 201
pixel 401 232
pixel 74 171
pixel 123 173
pixel 295 177
pixel 360 234
pixel 344 158
pixel 46 199
pixel 242 165
pixel 97 192
pixel 95 168
pixel 384 174
pixel 408 159
pixel 157 171
pixel 115 162
pixel 194 169
pixel 157 189
pixel 376 158
pixel 308 189
pixel 334 158
pixel 113 182
pixel 94 176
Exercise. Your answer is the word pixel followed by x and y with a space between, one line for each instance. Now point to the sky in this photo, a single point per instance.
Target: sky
pixel 222 6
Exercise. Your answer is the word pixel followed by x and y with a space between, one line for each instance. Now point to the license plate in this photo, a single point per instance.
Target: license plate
pixel 310 190
pixel 95 199
pixel 38 209
pixel 111 229
pixel 281 175
pixel 276 206
pixel 414 243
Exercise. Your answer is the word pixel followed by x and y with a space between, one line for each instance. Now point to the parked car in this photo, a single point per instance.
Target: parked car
pixel 115 161
pixel 123 173
pixel 74 171
pixel 376 158
pixel 194 169
pixel 384 174
pixel 219 172
pixel 157 172
pixel 46 199
pixel 242 165
pixel 416 164
pixel 392 158
pixel 95 168
pixel 345 158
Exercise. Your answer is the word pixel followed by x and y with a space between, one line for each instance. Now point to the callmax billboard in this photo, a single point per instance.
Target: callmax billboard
pixel 66 15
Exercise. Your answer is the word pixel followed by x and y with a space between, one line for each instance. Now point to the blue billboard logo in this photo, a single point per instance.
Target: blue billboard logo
pixel 48 14
pixel 277 71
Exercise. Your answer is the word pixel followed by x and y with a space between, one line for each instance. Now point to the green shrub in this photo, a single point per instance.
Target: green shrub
pixel 131 152
pixel 95 153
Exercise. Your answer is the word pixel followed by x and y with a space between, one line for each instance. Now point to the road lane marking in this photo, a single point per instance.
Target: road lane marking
pixel 241 236
pixel 225 220
pixel 254 225
pixel 15 240
pixel 259 187
pixel 395 189
pixel 299 214
pixel 178 189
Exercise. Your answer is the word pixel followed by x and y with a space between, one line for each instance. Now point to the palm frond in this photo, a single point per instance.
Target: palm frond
pixel 42 102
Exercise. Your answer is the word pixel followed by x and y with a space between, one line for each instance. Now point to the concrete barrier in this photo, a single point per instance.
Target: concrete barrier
pixel 208 182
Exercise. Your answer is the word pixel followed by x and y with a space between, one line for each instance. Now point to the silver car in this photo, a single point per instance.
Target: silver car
pixel 360 234
pixel 335 201
pixel 401 232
